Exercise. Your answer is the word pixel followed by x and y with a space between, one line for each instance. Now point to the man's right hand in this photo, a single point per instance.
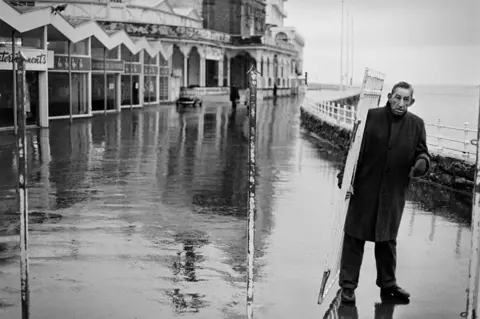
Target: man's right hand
pixel 349 193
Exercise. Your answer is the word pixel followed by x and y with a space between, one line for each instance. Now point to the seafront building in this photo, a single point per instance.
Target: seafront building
pixel 132 53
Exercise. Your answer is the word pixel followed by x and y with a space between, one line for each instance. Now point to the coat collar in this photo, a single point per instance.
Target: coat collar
pixel 391 116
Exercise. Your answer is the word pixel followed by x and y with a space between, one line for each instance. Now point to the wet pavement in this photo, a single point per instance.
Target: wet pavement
pixel 143 215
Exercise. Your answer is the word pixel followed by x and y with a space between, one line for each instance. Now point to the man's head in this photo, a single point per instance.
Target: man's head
pixel 401 98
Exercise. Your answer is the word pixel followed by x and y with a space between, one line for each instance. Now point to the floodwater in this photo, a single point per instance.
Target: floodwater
pixel 143 215
pixel 137 215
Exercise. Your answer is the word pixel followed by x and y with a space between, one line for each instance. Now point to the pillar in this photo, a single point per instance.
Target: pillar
pixel 157 99
pixel 220 72
pixel 43 90
pixel 141 82
pixel 203 76
pixel 185 70
pixel 118 92
pixel 89 80
pixel 171 94
pixel 228 72
pixel 43 99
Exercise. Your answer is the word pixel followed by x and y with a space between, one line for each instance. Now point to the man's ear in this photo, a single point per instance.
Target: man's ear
pixel 389 95
pixel 411 102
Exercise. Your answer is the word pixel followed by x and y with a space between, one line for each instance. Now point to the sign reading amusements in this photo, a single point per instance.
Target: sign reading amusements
pixel 36 59
pixel 111 65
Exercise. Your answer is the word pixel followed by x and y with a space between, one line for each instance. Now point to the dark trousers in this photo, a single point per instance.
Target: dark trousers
pixel 351 261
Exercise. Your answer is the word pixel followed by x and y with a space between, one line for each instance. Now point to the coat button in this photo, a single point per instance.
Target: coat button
pixel 389 147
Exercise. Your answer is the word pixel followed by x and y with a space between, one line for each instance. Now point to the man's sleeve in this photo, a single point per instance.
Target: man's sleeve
pixel 421 149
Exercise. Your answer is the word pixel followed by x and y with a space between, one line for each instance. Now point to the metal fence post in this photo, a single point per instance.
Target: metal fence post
pixel 14 65
pixel 22 101
pixel 439 135
pixel 466 142
pixel 252 203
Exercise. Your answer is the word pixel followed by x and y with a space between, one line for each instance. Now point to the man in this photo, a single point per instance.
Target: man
pixel 234 96
pixel 393 151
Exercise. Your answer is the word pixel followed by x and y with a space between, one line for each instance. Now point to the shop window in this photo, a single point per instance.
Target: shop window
pixel 125 55
pixel 128 89
pixel 163 94
pixel 98 89
pixel 147 59
pixel 6 98
pixel 97 51
pixel 58 94
pixel 33 38
pixel 150 89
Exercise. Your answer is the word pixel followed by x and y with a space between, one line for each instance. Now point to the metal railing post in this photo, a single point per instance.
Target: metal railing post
pixel 22 190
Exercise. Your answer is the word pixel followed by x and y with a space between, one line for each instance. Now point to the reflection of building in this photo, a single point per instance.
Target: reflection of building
pixel 129 53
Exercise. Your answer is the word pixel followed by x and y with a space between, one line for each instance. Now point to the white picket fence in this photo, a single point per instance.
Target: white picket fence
pixel 457 142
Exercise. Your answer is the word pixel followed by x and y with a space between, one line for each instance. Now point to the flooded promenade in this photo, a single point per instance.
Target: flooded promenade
pixel 143 215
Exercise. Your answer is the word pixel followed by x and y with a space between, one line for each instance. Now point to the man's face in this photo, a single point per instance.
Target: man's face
pixel 400 100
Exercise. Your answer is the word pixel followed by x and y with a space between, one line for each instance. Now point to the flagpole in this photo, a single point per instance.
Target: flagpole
pixel 347 60
pixel 341 52
pixel 352 52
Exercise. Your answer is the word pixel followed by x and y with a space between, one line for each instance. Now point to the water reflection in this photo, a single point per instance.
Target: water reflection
pixel 153 189
pixel 382 310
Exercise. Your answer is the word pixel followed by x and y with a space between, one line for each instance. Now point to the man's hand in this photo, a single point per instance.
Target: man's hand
pixel 339 183
pixel 349 193
pixel 419 168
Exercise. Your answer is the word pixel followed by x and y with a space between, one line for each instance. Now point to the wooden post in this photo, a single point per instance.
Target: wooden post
pixel 70 97
pixel 15 128
pixel 22 183
pixel 251 205
pixel 105 84
pixel 131 80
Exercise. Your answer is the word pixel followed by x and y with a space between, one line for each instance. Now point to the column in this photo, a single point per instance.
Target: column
pixel 89 79
pixel 203 62
pixel 228 71
pixel 43 99
pixel 141 78
pixel 185 70
pixel 170 79
pixel 157 99
pixel 220 72
pixel 43 90
pixel 118 93
pixel 186 53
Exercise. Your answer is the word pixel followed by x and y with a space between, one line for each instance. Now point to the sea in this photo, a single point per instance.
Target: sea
pixel 455 105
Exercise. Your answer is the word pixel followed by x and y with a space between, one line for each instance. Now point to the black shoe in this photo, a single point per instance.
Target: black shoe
pixel 348 295
pixel 395 292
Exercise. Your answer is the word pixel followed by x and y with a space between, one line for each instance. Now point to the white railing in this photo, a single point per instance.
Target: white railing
pixel 455 141
pixel 442 139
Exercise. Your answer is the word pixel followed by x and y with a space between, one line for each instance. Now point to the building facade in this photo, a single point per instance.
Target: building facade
pixel 93 57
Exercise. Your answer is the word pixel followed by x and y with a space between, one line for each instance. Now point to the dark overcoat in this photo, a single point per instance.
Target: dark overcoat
pixel 390 148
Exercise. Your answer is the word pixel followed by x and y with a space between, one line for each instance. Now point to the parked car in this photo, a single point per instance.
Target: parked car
pixel 190 96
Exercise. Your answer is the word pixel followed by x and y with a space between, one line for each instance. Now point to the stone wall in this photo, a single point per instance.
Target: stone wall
pixel 449 172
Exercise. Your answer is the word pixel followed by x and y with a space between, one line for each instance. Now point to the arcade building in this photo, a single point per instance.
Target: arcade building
pixel 96 57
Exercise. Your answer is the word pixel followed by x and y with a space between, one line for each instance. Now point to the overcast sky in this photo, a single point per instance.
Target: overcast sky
pixel 420 41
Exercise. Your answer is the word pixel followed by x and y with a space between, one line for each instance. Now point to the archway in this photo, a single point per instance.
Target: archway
pixel 194 67
pixel 239 66
pixel 177 72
